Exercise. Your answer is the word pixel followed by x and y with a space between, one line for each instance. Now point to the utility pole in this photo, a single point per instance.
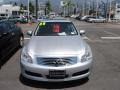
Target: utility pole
pixel 83 9
pixel 89 8
pixel 110 11
pixel 36 9
pixel 28 11
pixel 97 8
pixel 93 6
pixel 107 10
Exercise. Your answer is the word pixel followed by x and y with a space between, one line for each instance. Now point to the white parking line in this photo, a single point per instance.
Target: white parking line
pixel 113 38
pixel 26 38
pixel 85 37
pixel 111 33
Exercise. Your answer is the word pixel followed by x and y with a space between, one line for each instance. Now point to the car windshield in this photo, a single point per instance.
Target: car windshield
pixel 55 29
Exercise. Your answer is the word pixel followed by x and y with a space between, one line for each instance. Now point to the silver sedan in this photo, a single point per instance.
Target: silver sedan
pixel 56 52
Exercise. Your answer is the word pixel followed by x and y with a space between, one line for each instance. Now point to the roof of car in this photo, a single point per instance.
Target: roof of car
pixel 56 20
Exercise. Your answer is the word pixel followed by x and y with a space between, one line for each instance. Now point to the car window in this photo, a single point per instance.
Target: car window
pixel 3 27
pixel 101 17
pixel 11 25
pixel 56 29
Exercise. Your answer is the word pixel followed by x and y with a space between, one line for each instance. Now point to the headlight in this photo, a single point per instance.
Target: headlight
pixel 26 57
pixel 87 56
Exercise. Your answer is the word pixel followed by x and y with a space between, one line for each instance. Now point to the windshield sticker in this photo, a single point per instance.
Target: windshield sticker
pixel 56 28
pixel 42 24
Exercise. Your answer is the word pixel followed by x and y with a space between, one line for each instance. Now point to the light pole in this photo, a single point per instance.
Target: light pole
pixel 89 8
pixel 83 9
pixel 107 10
pixel 36 9
pixel 28 11
pixel 110 11
pixel 97 8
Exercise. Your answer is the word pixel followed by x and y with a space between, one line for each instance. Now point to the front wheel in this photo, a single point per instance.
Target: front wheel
pixel 21 41
pixel 93 21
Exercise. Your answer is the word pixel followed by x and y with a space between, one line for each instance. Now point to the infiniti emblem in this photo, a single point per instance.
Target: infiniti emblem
pixel 59 61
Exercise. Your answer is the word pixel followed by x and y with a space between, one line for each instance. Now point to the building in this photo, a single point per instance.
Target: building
pixel 9 10
pixel 117 12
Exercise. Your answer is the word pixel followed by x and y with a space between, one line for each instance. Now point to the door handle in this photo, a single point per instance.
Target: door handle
pixel 0 35
pixel 5 33
pixel 13 34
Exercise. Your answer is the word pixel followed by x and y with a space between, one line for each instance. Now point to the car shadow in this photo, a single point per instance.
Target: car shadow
pixel 9 55
pixel 52 85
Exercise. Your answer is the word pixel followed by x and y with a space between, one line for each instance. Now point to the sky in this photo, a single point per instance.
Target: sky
pixel 55 2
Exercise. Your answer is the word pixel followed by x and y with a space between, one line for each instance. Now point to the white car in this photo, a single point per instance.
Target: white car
pixel 56 52
pixel 84 18
pixel 97 19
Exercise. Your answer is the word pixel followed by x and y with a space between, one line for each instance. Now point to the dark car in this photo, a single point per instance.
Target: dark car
pixel 15 19
pixel 11 37
pixel 78 18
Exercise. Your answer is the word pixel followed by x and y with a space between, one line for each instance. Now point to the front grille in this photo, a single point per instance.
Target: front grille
pixel 56 62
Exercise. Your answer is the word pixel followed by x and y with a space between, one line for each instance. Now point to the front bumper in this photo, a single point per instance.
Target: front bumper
pixel 41 73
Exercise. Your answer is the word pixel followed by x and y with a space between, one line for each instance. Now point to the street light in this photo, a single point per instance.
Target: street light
pixel 36 9
pixel 110 11
pixel 107 9
pixel 28 10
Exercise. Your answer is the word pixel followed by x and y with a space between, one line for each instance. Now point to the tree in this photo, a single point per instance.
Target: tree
pixel 21 8
pixel 69 5
pixel 15 4
pixel 31 8
pixel 48 7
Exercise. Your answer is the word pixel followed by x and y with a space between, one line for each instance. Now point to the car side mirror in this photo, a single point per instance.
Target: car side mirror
pixel 82 32
pixel 29 33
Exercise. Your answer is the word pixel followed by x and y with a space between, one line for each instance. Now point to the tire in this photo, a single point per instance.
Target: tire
pixel 21 41
pixel 104 21
pixel 93 21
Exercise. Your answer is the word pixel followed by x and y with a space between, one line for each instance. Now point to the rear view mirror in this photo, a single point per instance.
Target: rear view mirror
pixel 82 32
pixel 29 33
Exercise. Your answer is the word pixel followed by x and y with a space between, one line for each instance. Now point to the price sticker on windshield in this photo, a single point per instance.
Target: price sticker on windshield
pixel 42 23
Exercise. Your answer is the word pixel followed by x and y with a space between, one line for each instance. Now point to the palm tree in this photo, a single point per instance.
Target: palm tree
pixel 69 5
pixel 31 8
pixel 48 7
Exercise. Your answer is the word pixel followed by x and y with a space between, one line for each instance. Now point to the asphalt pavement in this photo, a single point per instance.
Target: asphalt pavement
pixel 104 39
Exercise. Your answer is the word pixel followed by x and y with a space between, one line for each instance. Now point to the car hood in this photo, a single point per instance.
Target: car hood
pixel 56 45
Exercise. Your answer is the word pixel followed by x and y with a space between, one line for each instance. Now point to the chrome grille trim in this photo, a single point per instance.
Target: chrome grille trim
pixel 56 62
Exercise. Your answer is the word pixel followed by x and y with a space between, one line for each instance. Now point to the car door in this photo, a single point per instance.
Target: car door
pixel 4 39
pixel 13 34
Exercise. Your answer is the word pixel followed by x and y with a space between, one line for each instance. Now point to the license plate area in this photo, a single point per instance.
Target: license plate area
pixel 57 74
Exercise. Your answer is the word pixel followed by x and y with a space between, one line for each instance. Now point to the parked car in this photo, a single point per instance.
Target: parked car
pixel 11 36
pixel 97 20
pixel 2 18
pixel 15 19
pixel 78 18
pixel 40 18
pixel 84 18
pixel 56 52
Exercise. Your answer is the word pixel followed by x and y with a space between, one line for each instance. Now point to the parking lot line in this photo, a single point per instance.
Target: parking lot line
pixel 113 38
pixel 111 33
pixel 26 38
pixel 86 38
